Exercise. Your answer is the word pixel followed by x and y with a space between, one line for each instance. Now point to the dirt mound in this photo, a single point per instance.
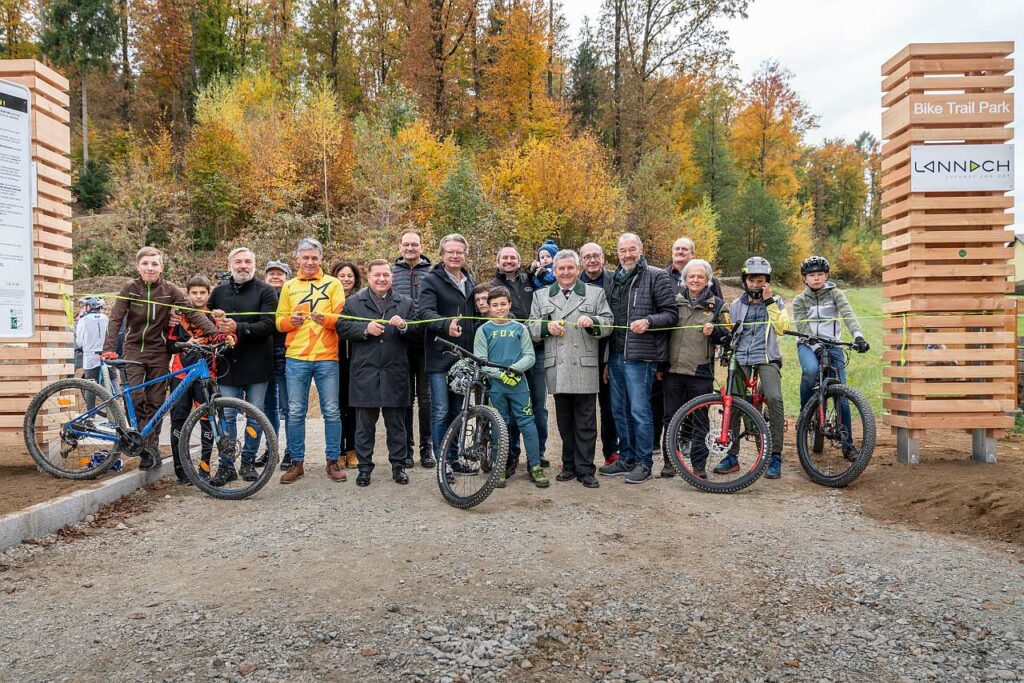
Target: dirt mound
pixel 104 284
pixel 947 492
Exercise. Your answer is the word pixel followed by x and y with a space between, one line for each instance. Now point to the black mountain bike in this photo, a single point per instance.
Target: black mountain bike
pixel 474 450
pixel 835 434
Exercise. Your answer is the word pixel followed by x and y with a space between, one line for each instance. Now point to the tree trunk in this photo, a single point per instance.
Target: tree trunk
pixel 334 54
pixel 85 124
pixel 551 46
pixel 126 66
pixel 437 60
pixel 617 86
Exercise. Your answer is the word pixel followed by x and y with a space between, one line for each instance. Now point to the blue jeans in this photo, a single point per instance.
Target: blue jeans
pixel 538 398
pixel 809 376
pixel 254 394
pixel 298 376
pixel 444 406
pixel 631 383
pixel 275 405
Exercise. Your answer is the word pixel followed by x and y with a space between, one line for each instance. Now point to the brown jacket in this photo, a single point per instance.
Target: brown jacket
pixel 148 309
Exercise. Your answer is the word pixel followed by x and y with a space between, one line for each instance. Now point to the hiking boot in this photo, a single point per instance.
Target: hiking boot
pixel 700 473
pixel 335 472
pixel 225 473
pixel 286 461
pixel 639 474
pixel 616 469
pixel 590 481
pixel 729 464
pixel 351 461
pixel 774 470
pixel 248 471
pixel 465 469
pixel 295 471
pixel 565 475
pixel 537 475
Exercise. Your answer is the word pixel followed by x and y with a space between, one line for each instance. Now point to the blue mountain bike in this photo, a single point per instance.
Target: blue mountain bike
pixel 78 429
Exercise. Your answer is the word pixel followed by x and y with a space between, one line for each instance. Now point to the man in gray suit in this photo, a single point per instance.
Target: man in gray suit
pixel 570 317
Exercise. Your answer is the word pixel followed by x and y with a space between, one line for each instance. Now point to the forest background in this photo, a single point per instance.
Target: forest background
pixel 202 123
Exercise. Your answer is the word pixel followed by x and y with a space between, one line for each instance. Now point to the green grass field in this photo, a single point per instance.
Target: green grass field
pixel 864 371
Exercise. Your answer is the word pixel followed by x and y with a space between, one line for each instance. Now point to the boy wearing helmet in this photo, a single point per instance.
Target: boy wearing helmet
pixel 90 331
pixel 820 310
pixel 756 346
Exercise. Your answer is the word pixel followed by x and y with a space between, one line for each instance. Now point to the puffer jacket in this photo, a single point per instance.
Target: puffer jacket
pixel 823 312
pixel 689 351
pixel 408 281
pixel 650 295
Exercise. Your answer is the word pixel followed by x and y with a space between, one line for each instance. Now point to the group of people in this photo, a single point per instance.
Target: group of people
pixel 636 342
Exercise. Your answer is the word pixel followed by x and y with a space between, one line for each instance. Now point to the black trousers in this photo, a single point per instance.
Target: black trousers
pixel 658 413
pixel 609 437
pixel 179 413
pixel 366 430
pixel 419 393
pixel 677 390
pixel 576 415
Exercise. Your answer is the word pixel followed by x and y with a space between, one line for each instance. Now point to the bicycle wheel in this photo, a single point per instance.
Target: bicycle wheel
pixel 700 443
pixel 60 410
pixel 202 457
pixel 467 481
pixel 847 443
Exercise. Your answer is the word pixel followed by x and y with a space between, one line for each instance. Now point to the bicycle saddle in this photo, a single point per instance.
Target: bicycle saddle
pixel 121 362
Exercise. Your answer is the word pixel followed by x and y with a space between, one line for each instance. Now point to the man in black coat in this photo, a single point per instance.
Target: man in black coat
pixel 250 364
pixel 511 276
pixel 410 269
pixel 379 373
pixel 643 303
pixel 447 294
pixel 595 273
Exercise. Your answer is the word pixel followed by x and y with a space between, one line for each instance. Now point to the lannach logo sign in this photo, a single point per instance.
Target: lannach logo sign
pixel 961 168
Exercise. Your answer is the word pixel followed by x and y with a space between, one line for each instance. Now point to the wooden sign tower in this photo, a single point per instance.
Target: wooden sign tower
pixel 951 332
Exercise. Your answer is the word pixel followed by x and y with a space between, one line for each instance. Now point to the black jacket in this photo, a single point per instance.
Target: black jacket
pixel 379 366
pixel 605 280
pixel 252 359
pixel 278 337
pixel 521 287
pixel 440 298
pixel 650 294
pixel 409 281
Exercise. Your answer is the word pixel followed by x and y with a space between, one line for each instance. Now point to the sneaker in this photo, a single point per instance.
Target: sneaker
pixel 261 461
pixel 225 474
pixel 248 471
pixel 639 474
pixel 616 469
pixel 537 475
pixel 465 469
pixel 565 475
pixel 610 459
pixel 774 470
pixel 286 461
pixel 729 464
pixel 667 471
pixel 590 481
pixel 502 482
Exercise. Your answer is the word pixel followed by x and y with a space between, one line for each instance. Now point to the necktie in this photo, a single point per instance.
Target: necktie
pixel 566 292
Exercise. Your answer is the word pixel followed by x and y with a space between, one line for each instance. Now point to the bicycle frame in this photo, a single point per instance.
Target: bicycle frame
pixel 757 398
pixel 198 371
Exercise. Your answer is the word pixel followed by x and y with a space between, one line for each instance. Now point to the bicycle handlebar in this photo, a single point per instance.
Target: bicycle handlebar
pixel 820 340
pixel 459 351
pixel 211 349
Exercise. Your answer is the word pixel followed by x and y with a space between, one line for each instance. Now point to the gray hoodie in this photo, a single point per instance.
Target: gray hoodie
pixel 822 312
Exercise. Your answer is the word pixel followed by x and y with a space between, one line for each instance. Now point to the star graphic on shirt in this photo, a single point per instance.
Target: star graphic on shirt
pixel 316 295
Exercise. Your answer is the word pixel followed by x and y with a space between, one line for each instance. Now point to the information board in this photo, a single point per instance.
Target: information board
pixel 16 321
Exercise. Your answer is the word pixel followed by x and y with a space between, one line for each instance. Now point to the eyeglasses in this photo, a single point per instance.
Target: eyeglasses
pixel 451 252
pixel 591 257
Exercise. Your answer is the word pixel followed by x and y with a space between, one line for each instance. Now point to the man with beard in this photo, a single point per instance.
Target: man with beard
pixel 250 365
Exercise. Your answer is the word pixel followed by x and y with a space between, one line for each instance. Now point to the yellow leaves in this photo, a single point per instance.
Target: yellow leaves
pixel 560 187
pixel 433 159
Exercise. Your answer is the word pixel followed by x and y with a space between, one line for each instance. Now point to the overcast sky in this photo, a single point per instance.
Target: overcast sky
pixel 835 48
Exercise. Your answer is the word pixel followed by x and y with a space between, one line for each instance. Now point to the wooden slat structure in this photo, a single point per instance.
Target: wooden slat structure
pixel 28 365
pixel 950 343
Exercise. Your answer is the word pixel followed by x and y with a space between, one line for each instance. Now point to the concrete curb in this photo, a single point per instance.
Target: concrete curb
pixel 45 518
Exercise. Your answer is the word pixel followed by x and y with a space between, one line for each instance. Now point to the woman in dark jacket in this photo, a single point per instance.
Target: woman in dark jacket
pixel 348 274
pixel 691 370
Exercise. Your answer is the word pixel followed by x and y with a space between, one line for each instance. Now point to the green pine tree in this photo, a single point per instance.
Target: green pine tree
pixel 754 225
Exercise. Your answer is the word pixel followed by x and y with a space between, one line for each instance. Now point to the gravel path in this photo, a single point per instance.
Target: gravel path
pixel 322 581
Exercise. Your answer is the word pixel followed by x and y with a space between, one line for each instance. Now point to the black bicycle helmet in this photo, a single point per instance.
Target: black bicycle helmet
pixel 814 264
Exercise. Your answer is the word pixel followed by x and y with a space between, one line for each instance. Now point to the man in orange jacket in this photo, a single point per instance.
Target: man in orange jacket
pixel 307 311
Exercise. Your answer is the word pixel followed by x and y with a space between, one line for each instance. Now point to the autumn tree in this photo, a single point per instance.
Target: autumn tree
pixel 382 27
pixel 711 149
pixel 767 133
pixel 80 35
pixel 329 48
pixel 437 32
pixel 835 186
pixel 16 39
pixel 586 83
pixel 870 151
